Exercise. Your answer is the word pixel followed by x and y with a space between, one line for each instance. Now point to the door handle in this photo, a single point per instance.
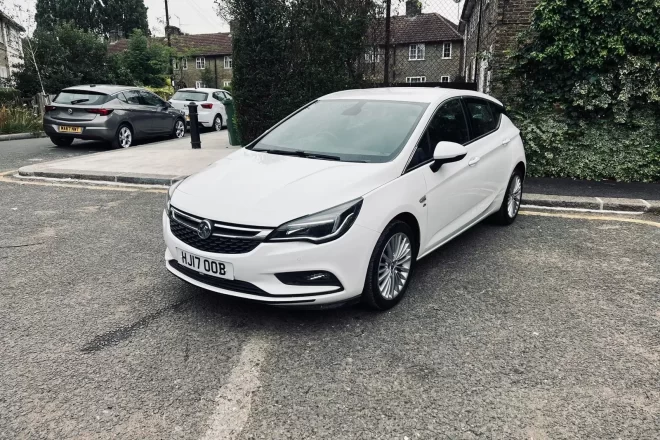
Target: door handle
pixel 506 141
pixel 473 161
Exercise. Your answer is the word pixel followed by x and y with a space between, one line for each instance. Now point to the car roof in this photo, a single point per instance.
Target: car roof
pixel 409 94
pixel 201 89
pixel 102 88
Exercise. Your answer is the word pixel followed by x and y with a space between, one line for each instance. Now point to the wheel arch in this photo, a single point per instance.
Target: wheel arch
pixel 410 220
pixel 520 167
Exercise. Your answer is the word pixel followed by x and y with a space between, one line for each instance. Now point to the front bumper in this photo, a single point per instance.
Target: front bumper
pixel 347 258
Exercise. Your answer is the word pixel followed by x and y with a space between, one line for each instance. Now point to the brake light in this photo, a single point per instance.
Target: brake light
pixel 50 108
pixel 208 106
pixel 100 111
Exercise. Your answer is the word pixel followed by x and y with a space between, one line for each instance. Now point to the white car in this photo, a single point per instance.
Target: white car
pixel 340 200
pixel 211 111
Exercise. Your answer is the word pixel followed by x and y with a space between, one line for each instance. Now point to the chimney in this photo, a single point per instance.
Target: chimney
pixel 413 7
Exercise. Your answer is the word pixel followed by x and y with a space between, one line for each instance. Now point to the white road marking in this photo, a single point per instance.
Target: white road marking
pixel 600 201
pixel 234 400
pixel 648 205
pixel 596 211
pixel 591 217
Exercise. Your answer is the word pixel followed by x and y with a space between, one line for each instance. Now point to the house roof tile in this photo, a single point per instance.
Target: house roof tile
pixel 423 28
pixel 199 44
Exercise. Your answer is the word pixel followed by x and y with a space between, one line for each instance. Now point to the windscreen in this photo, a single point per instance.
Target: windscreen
pixel 190 96
pixel 350 130
pixel 80 97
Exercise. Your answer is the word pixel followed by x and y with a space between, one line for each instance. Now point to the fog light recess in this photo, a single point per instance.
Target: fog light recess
pixel 309 278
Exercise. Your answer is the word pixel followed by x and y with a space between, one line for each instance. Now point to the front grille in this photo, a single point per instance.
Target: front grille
pixel 216 245
pixel 226 238
pixel 232 285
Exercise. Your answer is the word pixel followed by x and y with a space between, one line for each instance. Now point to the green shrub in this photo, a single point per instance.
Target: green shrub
pixel 9 96
pixel 19 120
pixel 558 146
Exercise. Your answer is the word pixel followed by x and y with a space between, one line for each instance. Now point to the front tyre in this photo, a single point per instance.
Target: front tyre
pixel 391 267
pixel 512 199
pixel 61 141
pixel 179 129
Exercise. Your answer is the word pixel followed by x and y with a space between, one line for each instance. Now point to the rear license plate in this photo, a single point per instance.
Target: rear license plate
pixel 67 129
pixel 203 265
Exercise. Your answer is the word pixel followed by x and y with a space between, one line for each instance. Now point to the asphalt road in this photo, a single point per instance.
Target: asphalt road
pixel 548 329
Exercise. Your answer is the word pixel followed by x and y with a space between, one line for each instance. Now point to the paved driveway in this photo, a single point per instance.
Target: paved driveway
pixel 549 329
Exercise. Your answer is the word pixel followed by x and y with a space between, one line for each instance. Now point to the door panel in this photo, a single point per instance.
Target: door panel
pixel 138 113
pixel 160 120
pixel 489 154
pixel 451 190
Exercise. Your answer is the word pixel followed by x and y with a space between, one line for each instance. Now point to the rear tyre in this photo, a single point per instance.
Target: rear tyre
pixel 61 141
pixel 123 137
pixel 179 129
pixel 512 199
pixel 217 123
pixel 390 267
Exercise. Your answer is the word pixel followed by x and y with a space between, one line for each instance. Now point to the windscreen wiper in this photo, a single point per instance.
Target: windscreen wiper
pixel 78 101
pixel 301 153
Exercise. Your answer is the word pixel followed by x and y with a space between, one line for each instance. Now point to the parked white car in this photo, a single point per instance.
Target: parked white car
pixel 209 105
pixel 340 200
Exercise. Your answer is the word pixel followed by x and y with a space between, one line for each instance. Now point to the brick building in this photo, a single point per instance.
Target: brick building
pixel 424 47
pixel 489 29
pixel 194 54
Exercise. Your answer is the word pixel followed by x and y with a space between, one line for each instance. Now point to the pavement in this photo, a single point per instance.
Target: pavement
pixel 165 162
pixel 159 163
pixel 547 329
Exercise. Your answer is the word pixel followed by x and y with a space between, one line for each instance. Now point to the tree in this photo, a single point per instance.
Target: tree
pixel 208 77
pixel 145 62
pixel 99 16
pixel 66 57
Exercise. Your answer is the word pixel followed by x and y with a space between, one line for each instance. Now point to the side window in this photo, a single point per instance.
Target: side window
pixel 132 97
pixel 151 99
pixel 448 124
pixel 481 117
pixel 219 96
pixel 498 111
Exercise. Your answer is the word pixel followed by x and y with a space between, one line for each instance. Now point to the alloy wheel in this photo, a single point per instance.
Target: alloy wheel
pixel 217 123
pixel 179 129
pixel 514 196
pixel 125 137
pixel 394 266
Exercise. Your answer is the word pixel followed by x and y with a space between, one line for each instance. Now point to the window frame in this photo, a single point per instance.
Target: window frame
pixel 372 55
pixel 466 110
pixel 422 79
pixel 417 47
pixel 226 83
pixel 406 169
pixel 184 63
pixel 444 45
pixel 228 62
pixel 202 63
pixel 199 85
pixel 442 79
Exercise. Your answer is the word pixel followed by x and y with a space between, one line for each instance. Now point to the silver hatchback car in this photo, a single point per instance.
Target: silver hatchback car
pixel 114 114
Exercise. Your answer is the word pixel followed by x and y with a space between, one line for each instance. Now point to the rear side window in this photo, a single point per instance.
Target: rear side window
pixel 132 97
pixel 481 117
pixel 219 96
pixel 189 95
pixel 75 97
pixel 498 111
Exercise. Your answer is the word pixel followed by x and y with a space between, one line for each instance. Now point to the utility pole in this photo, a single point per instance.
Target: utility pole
pixel 388 16
pixel 169 40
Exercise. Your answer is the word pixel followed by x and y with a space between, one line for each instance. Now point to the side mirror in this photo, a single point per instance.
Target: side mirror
pixel 447 152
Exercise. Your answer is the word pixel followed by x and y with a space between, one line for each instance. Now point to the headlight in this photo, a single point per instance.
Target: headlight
pixel 322 227
pixel 170 191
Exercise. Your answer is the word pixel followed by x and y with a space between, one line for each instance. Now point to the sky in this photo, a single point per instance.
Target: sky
pixel 200 16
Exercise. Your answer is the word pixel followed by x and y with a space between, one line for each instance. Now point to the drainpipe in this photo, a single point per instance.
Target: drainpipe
pixel 477 67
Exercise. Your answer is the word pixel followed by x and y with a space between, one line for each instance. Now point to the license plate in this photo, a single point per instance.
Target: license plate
pixel 66 129
pixel 203 265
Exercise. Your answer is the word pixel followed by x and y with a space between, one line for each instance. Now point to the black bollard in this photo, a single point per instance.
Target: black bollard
pixel 194 126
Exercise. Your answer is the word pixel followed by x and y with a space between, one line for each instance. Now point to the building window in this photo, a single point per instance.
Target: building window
pixel 226 83
pixel 372 55
pixel 184 63
pixel 199 85
pixel 444 79
pixel 415 79
pixel 229 63
pixel 175 64
pixel 416 52
pixel 446 50
pixel 200 63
